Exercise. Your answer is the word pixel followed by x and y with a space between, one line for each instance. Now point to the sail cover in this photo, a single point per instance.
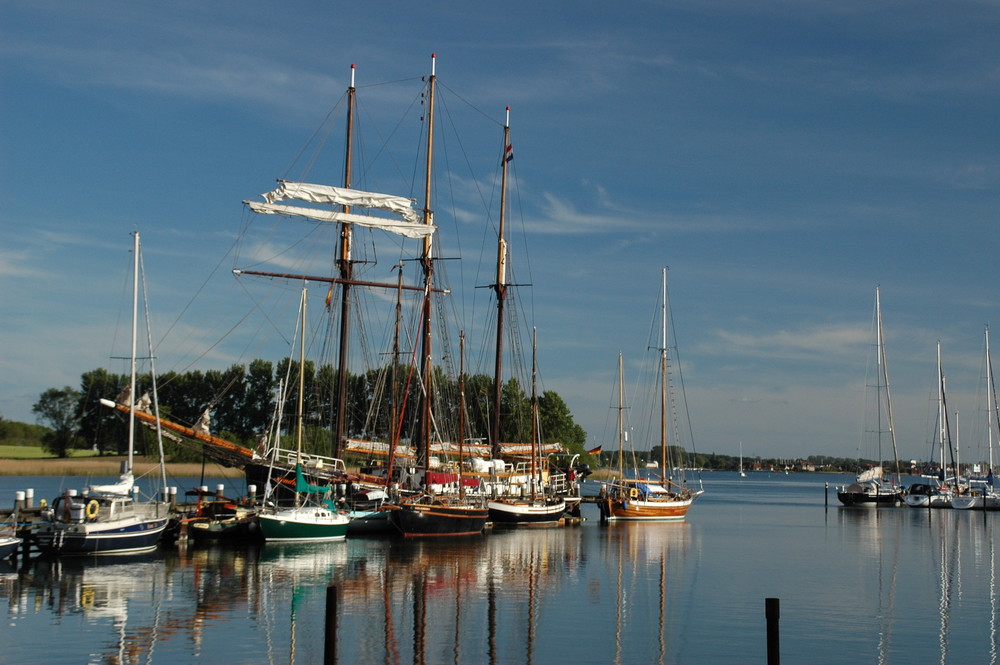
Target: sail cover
pixel 408 222
pixel 875 473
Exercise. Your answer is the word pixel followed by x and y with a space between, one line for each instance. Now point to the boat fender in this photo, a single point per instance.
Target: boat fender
pixel 92 508
pixel 634 493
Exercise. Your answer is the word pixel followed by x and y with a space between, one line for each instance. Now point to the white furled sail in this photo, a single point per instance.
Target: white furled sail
pixel 874 473
pixel 408 224
pixel 122 487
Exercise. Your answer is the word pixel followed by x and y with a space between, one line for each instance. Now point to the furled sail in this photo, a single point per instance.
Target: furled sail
pixel 408 224
pixel 875 473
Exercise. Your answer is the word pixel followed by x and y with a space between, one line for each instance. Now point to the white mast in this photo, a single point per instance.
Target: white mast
pixel 135 324
pixel 990 397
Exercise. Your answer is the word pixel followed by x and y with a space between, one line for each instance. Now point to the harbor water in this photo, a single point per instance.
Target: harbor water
pixel 896 585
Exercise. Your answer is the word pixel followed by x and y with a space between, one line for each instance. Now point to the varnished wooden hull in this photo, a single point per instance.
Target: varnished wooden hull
pixel 644 511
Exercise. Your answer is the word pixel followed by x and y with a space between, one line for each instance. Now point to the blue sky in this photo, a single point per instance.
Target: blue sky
pixel 782 158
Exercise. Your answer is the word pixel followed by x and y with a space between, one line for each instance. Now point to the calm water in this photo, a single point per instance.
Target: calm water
pixel 856 586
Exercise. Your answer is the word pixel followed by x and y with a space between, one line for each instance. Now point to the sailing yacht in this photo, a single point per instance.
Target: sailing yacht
pixel 935 491
pixel 983 494
pixel 109 518
pixel 870 488
pixel 533 506
pixel 313 517
pixel 517 503
pixel 647 499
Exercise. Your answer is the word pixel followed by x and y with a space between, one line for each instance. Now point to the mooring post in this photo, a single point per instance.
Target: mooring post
pixel 772 613
pixel 826 495
pixel 330 637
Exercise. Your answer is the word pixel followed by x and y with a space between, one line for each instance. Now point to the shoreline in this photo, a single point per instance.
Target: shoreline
pixel 108 466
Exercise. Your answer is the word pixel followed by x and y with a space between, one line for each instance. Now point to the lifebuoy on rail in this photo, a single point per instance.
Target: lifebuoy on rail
pixel 634 493
pixel 92 508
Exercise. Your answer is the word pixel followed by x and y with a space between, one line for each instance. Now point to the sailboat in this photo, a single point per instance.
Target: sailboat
pixel 513 504
pixel 535 507
pixel 312 518
pixel 431 513
pixel 110 518
pixel 9 542
pixel 983 494
pixel 743 474
pixel 935 492
pixel 869 488
pixel 646 499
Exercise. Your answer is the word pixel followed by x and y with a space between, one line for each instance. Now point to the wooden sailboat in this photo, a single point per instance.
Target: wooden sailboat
pixel 429 513
pixel 109 519
pixel 983 494
pixel 514 504
pixel 869 488
pixel 537 507
pixel 641 499
pixel 311 518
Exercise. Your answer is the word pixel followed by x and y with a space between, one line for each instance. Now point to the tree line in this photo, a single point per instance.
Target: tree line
pixel 244 399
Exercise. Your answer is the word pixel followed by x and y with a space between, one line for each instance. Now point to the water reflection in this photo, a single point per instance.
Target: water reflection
pixel 649 577
pixel 886 586
pixel 397 601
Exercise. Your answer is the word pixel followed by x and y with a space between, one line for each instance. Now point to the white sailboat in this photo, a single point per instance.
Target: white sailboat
pixel 935 491
pixel 743 474
pixel 109 518
pixel 983 495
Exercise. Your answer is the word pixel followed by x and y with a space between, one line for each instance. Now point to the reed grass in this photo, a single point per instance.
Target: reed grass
pixel 106 466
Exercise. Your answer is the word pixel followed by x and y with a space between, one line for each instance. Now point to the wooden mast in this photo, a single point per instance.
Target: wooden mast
pixel 500 286
pixel 621 421
pixel 135 326
pixel 461 415
pixel 534 411
pixel 346 267
pixel 663 383
pixel 427 263
pixel 302 387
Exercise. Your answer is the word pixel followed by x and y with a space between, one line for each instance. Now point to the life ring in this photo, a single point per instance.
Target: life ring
pixel 92 508
pixel 87 597
pixel 634 493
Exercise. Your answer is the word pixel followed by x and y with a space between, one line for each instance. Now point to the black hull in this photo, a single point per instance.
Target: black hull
pixel 246 530
pixel 865 499
pixel 423 521
pixel 140 537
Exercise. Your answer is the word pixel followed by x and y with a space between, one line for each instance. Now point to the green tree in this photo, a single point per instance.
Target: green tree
pixel 557 423
pixel 98 425
pixel 57 407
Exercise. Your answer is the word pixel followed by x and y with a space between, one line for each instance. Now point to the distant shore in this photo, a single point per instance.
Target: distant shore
pixel 107 466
